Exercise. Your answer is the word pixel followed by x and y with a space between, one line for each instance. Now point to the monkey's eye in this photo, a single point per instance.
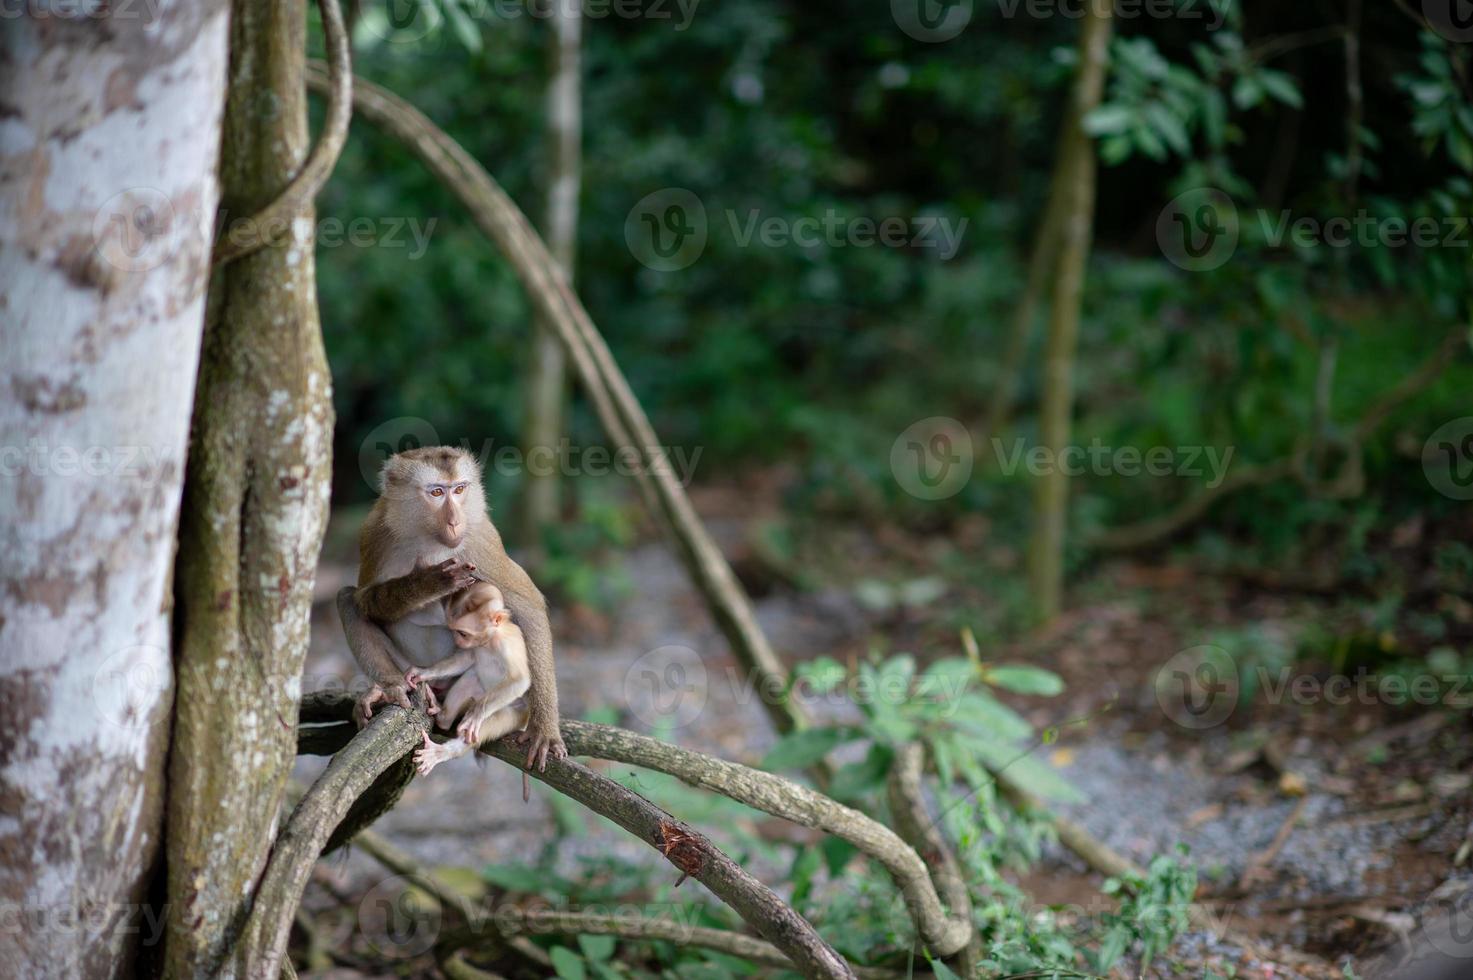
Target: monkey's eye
pixel 460 488
pixel 437 492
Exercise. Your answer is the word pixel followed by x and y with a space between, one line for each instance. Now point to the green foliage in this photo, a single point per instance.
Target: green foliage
pixel 1152 912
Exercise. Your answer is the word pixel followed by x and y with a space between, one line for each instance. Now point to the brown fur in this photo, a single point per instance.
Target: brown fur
pixel 401 529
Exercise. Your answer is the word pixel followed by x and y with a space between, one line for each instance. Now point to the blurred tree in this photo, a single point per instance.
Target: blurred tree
pixel 1076 186
pixel 104 255
pixel 546 391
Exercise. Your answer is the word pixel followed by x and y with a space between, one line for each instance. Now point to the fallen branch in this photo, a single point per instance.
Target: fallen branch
pixel 509 921
pixel 946 934
pixel 682 845
pixel 614 402
pixel 239 239
pixel 908 808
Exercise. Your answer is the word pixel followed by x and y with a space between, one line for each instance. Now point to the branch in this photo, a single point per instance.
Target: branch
pixel 908 808
pixel 681 844
pixel 514 919
pixel 239 239
pixel 391 734
pixel 614 402
pixel 781 797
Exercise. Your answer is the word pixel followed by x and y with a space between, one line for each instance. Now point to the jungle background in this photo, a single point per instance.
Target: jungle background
pixel 1318 828
pixel 1047 552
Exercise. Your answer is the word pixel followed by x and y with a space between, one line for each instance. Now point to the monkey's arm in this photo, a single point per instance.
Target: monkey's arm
pixel 452 666
pixel 392 599
pixel 373 650
pixel 543 734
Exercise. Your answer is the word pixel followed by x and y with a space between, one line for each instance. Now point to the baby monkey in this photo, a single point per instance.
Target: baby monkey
pixel 490 667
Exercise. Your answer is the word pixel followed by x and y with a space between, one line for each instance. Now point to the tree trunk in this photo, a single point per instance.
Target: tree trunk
pixel 1076 217
pixel 547 382
pixel 109 128
pixel 255 506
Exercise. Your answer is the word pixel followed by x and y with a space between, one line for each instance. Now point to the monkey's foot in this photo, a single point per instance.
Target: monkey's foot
pixel 431 755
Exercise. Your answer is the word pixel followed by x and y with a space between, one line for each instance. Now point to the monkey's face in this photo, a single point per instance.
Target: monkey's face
pixel 477 628
pixel 445 510
pixel 436 490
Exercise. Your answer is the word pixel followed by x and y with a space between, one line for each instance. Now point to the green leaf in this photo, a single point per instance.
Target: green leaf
pixel 1115 150
pixel 858 778
pixel 837 853
pixel 1281 86
pixel 980 714
pixel 568 964
pixel 597 948
pixel 799 750
pixel 1170 128
pixel 942 970
pixel 946 680
pixel 1108 120
pixel 1247 93
pixel 822 674
pixel 460 22
pixel 1023 679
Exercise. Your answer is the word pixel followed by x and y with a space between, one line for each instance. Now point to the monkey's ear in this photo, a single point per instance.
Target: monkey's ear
pixel 498 617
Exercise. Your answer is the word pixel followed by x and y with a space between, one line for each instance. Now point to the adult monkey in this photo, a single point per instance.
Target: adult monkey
pixel 430 535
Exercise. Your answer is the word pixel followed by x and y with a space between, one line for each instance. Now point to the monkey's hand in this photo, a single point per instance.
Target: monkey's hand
pixel 379 694
pixel 469 731
pixel 413 678
pixel 438 581
pixel 541 738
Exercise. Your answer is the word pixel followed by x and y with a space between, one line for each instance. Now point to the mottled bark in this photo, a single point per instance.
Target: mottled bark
pixel 109 129
pixel 546 378
pixel 1075 219
pixel 255 506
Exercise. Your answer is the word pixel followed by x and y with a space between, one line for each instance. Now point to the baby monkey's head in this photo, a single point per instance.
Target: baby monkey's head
pixel 476 614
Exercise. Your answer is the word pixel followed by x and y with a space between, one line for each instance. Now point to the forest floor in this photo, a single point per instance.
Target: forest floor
pixel 1323 833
